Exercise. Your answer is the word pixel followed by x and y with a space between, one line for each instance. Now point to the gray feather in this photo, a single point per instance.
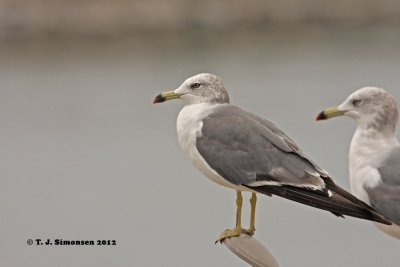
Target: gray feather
pixel 390 167
pixel 385 198
pixel 244 148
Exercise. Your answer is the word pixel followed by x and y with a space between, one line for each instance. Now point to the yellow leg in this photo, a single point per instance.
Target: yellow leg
pixel 239 202
pixel 238 228
pixel 251 229
pixel 253 202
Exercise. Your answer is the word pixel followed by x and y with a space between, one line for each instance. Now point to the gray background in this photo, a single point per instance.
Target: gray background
pixel 85 155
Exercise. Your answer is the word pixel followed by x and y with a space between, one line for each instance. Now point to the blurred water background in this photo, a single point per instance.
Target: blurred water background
pixel 85 155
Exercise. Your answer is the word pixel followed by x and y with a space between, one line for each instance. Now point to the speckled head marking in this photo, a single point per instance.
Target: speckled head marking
pixel 204 87
pixel 201 88
pixel 372 107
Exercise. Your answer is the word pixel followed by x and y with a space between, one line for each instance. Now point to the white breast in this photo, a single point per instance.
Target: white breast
pixel 189 125
pixel 366 151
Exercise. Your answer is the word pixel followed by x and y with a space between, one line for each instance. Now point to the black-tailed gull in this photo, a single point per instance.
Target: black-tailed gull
pixel 240 150
pixel 374 157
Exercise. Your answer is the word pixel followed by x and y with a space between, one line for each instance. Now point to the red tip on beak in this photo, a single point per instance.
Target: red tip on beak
pixel 320 116
pixel 158 99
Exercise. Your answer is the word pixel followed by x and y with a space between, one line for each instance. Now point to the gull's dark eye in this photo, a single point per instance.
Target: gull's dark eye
pixel 195 85
pixel 356 102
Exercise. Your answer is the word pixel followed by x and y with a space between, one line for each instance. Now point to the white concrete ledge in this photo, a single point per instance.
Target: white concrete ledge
pixel 251 251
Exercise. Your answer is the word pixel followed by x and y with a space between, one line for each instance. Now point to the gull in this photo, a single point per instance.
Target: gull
pixel 374 156
pixel 242 151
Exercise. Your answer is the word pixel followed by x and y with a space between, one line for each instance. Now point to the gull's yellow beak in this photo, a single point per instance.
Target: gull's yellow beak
pixel 329 113
pixel 166 96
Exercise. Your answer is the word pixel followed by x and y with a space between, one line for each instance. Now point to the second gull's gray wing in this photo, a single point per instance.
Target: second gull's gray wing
pixel 385 198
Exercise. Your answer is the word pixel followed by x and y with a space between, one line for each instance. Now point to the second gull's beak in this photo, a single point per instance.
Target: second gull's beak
pixel 329 113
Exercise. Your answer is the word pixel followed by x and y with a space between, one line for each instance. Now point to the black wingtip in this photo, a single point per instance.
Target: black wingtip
pixel 339 204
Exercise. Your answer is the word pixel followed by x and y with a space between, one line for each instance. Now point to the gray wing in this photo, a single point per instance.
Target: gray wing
pixel 287 143
pixel 386 197
pixel 243 148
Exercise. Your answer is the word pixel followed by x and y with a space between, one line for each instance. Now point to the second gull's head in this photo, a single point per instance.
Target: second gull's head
pixel 371 107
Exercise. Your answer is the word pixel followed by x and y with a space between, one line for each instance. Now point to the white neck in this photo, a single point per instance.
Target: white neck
pixel 369 142
pixel 193 114
pixel 189 125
